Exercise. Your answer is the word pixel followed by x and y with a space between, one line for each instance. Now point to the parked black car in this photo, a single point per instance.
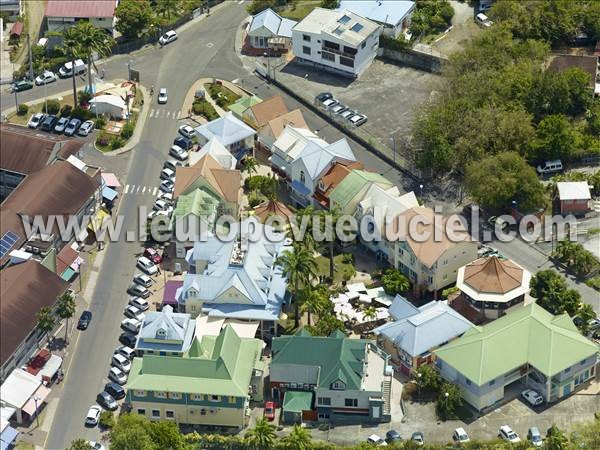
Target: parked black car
pixel 115 390
pixel 183 142
pixel 49 123
pixel 107 401
pixel 84 320
pixel 128 339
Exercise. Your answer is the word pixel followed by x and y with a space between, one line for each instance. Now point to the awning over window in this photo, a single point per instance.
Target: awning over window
pixel 41 394
pixel 109 194
pixel 8 436
pixel 110 179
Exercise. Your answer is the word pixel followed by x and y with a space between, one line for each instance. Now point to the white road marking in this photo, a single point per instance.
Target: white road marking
pixel 209 44
pixel 152 113
pixel 168 114
pixel 144 189
pixel 154 191
pixel 126 189
pixel 138 189
pixel 178 113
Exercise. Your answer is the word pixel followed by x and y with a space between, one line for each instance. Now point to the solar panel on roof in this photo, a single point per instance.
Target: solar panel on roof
pixel 7 242
pixel 344 19
pixel 356 27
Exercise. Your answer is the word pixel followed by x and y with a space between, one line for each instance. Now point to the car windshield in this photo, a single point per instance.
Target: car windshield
pixel 511 435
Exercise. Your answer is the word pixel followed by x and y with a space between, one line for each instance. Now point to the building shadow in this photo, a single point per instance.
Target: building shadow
pixel 316 75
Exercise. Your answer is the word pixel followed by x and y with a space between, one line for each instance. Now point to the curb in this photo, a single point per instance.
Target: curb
pixel 139 126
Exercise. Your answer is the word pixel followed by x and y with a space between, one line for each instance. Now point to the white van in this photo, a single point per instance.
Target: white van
pixel 550 167
pixel 483 20
pixel 66 70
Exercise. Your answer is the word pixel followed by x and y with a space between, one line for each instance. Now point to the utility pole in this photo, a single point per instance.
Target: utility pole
pixel 30 58
pixel 16 101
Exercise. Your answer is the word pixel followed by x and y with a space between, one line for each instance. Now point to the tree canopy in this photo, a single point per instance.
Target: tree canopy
pixel 133 17
pixel 552 293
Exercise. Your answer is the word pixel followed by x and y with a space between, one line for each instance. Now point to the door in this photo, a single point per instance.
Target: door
pixel 276 394
pixel 376 412
pixel 566 390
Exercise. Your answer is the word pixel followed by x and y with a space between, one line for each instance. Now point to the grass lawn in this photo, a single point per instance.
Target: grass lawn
pixel 340 267
pixel 24 446
pixel 221 95
pixel 298 11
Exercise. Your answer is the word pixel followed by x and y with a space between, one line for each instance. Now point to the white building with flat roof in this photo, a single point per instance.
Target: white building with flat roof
pixel 339 41
pixel 394 15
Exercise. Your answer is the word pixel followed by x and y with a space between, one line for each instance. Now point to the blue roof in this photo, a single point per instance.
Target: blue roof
pixel 430 326
pixel 402 308
pixel 390 12
pixel 9 434
pixel 227 129
pixel 273 22
pixel 256 277
pixel 109 193
pixel 316 157
pixel 166 330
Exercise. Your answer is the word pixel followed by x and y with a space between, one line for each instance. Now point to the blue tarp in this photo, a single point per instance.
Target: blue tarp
pixel 109 194
pixel 8 436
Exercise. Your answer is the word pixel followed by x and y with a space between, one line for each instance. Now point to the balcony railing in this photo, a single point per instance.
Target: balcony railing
pixel 338 51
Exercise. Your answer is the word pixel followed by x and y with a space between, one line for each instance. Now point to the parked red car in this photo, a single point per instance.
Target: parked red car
pixel 152 255
pixel 270 411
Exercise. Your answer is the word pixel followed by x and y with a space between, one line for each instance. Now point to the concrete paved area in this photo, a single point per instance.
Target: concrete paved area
pixel 463 29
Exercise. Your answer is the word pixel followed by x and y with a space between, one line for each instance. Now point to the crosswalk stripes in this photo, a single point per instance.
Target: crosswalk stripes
pixel 163 114
pixel 597 206
pixel 134 189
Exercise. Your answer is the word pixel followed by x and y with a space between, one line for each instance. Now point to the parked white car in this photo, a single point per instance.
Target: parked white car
pixel 127 352
pixel 139 303
pixel 46 77
pixel 86 127
pixel 167 38
pixel 532 397
pixel 460 436
pixel 36 120
pixel 147 266
pixel 131 325
pixel 187 131
pixel 506 433
pixel 91 419
pixel 178 153
pixel 117 375
pixel 121 362
pixel 131 312
pixel 376 440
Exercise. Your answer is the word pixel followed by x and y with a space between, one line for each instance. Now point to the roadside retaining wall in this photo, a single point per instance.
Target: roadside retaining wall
pixel 414 58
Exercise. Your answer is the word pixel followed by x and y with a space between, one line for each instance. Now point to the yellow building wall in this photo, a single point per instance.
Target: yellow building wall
pixel 226 417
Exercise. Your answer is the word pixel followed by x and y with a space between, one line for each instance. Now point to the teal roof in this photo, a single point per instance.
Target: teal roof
pixel 529 334
pixel 297 401
pixel 216 365
pixel 344 192
pixel 338 357
pixel 242 104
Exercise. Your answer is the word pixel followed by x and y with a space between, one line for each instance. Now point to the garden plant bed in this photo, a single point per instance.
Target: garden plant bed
pixel 221 95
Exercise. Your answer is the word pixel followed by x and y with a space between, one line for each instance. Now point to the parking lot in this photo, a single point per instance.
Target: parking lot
pixel 389 95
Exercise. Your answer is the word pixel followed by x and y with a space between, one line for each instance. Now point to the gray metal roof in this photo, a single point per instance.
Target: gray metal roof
pixel 390 12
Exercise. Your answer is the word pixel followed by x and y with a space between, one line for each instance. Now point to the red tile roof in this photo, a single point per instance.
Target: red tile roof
pixel 80 8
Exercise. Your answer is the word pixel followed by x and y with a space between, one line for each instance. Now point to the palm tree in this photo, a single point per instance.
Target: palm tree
pixel 332 215
pixel 46 320
pixel 307 239
pixel 315 301
pixel 71 45
pixel 80 444
pixel 65 309
pixel 262 436
pixel 299 267
pixel 370 313
pixel 92 40
pixel 299 439
pixel 250 165
pixel 167 7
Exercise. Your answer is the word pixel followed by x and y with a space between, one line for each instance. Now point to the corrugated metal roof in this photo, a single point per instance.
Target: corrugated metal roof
pixel 390 12
pixel 80 8
pixel 352 185
pixel 227 129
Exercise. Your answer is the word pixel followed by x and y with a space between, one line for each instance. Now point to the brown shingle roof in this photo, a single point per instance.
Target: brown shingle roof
pixel 293 118
pixel 268 110
pixel 65 258
pixel 226 182
pixel 272 208
pixel 493 275
pixel 335 175
pixel 430 250
pixel 80 8
pixel 588 64
pixel 26 151
pixel 25 288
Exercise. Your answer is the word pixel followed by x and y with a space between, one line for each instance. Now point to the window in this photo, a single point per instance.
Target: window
pixel 175 395
pixel 567 370
pixel 349 50
pixel 328 56
pixel 215 398
pixel 160 394
pixel 493 382
pixel 197 397
pixel 330 45
pixel 193 307
pixel 325 401
pixel 582 362
pixel 351 402
pixel 364 44
pixel 202 412
pixel 338 385
pixel 306 50
pixel 139 393
pixel 155 413
pixel 306 38
pixel 302 180
pixel 346 61
pixel 468 381
pixel 141 411
pixel 323 416
pixel 169 414
pixel 232 400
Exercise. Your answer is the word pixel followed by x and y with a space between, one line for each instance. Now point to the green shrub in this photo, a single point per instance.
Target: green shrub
pixel 65 111
pixel 100 122
pixel 54 64
pixel 53 106
pixel 22 109
pixel 127 130
pixel 81 114
pixel 255 199
pixel 103 139
pixel 594 282
pixel 117 142
pixel 107 419
pixel 83 97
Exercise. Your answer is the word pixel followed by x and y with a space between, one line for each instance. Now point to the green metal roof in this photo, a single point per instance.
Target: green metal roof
pixel 217 365
pixel 200 202
pixel 526 335
pixel 344 192
pixel 338 357
pixel 297 401
pixel 243 104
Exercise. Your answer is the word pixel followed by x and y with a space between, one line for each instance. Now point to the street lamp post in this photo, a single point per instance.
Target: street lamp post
pixel 393 139
pixel 266 55
pixel 36 399
pixel 421 192
pixel 419 375
pixel 16 101
pixel 46 96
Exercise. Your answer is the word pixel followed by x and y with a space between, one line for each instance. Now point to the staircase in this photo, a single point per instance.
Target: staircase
pixel 387 395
